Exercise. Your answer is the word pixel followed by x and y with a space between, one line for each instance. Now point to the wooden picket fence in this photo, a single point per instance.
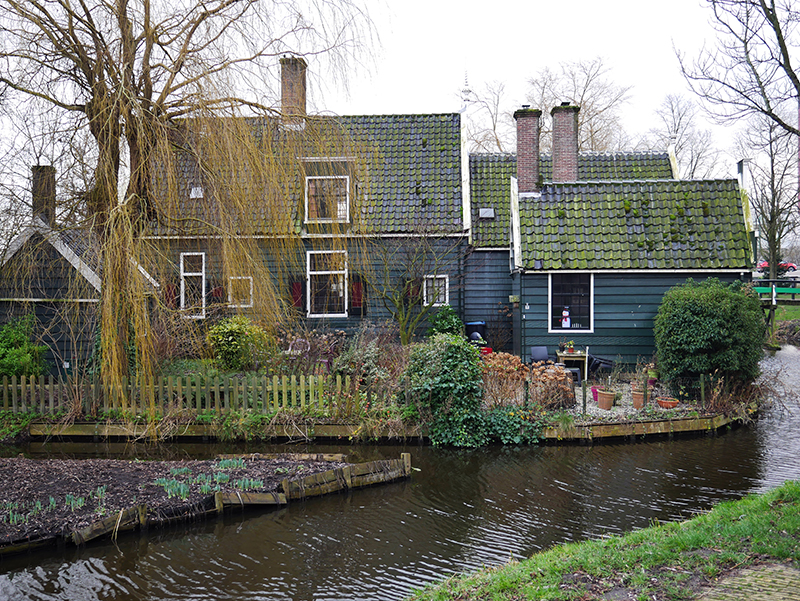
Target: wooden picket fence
pixel 264 394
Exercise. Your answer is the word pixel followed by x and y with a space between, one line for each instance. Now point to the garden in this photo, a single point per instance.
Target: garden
pixel 240 378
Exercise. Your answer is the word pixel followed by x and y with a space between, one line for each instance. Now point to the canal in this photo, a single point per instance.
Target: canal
pixel 460 511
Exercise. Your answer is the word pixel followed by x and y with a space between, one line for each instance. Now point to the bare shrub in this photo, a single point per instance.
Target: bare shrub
pixel 550 386
pixel 503 380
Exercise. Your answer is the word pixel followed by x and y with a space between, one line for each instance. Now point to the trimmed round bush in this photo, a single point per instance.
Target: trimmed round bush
pixel 709 327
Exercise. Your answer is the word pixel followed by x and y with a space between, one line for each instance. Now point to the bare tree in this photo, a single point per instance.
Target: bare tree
pixel 586 84
pixel 156 83
pixel 412 276
pixel 751 70
pixel 130 67
pixel 488 128
pixel 773 191
pixel 694 148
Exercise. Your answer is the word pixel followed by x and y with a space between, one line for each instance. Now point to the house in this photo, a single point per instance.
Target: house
pixel 367 211
pixel 488 273
pixel 590 258
pixel 54 274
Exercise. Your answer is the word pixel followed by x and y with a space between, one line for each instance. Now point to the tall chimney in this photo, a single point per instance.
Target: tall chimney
pixel 528 127
pixel 565 142
pixel 293 87
pixel 43 180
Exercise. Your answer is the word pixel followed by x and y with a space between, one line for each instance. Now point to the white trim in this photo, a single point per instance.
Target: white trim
pixel 340 159
pixel 432 278
pixel 249 305
pixel 516 232
pixel 466 192
pixel 193 274
pixel 306 236
pixel 550 329
pixel 310 273
pixel 338 208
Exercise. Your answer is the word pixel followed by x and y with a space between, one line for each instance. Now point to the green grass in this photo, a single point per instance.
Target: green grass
pixel 665 561
pixel 787 312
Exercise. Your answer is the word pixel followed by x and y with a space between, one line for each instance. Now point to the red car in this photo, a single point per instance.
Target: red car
pixel 782 266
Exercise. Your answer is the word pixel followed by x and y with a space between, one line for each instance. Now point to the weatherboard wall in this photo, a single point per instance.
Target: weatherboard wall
pixel 625 305
pixel 487 286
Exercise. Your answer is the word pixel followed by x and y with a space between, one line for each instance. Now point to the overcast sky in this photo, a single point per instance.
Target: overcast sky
pixel 427 46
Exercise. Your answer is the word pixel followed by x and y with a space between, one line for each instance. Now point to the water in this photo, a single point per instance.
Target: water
pixel 463 510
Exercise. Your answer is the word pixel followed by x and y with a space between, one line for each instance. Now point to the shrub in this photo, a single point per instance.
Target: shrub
pixel 708 327
pixel 361 359
pixel 446 321
pixel 18 355
pixel 237 343
pixel 550 386
pixel 444 378
pixel 503 380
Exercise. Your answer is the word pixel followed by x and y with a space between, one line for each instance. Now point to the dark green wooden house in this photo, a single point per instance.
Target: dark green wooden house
pixel 376 202
pixel 591 260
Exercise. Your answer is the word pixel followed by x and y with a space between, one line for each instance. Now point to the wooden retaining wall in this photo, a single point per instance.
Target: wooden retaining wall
pixel 579 434
pixel 337 480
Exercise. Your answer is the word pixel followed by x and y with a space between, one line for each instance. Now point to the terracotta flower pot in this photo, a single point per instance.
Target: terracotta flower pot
pixel 638 399
pixel 605 399
pixel 667 403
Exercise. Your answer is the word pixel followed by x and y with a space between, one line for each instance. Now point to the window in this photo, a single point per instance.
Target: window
pixel 436 290
pixel 240 292
pixel 327 283
pixel 327 190
pixel 327 198
pixel 193 285
pixel 571 302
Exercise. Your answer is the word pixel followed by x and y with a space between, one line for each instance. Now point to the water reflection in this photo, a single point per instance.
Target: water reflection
pixel 461 511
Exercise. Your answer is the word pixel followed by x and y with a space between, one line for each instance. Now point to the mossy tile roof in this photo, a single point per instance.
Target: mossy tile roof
pixel 657 224
pixel 490 185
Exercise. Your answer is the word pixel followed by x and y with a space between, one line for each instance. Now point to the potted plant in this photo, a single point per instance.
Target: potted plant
pixel 667 402
pixel 562 344
pixel 570 344
pixel 605 398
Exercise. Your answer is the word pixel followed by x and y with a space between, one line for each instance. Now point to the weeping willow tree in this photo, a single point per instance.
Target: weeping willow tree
pixel 187 143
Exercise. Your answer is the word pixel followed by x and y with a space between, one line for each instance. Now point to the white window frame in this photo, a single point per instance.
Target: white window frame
pixel 550 328
pixel 342 216
pixel 341 272
pixel 193 274
pixel 231 303
pixel 428 283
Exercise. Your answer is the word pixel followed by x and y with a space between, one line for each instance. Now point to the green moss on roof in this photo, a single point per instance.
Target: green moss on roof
pixel 656 224
pixel 490 183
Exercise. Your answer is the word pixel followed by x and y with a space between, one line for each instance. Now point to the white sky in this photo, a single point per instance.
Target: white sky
pixel 428 45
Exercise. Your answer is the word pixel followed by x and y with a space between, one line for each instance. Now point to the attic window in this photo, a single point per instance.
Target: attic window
pixel 327 190
pixel 486 213
pixel 196 192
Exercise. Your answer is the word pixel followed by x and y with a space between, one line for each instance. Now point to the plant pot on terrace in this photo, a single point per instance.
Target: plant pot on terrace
pixel 667 403
pixel 637 396
pixel 605 398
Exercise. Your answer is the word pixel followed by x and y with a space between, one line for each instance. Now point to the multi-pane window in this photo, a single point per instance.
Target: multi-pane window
pixel 240 292
pixel 327 198
pixel 436 290
pixel 193 285
pixel 327 283
pixel 571 302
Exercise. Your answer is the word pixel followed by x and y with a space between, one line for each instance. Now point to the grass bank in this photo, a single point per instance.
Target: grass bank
pixel 666 561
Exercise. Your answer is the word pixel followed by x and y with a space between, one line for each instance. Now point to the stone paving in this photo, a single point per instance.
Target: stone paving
pixel 776 582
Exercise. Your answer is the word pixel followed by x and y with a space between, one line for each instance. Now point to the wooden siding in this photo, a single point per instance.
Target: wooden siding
pixel 487 286
pixel 624 308
pixel 39 280
pixel 361 260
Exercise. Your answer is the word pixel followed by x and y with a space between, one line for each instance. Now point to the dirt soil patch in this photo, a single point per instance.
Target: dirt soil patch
pixel 53 497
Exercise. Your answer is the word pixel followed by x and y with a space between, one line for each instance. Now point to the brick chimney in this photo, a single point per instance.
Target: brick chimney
pixel 565 142
pixel 528 128
pixel 293 87
pixel 43 180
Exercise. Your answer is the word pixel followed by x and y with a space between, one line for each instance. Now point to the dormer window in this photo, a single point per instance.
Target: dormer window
pixel 327 191
pixel 327 198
